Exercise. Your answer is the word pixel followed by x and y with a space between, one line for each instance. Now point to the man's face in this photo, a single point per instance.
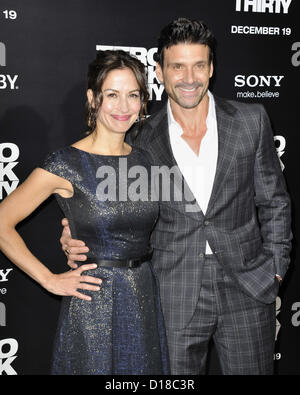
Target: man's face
pixel 186 72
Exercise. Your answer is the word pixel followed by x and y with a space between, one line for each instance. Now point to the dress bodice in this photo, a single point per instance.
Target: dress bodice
pixel 112 209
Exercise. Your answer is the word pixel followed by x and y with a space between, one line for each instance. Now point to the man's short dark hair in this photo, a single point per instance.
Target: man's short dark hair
pixel 183 30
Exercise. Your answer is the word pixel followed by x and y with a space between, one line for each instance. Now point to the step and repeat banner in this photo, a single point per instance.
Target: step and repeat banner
pixel 45 47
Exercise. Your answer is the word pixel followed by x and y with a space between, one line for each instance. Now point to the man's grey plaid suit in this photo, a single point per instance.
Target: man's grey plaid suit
pixel 247 225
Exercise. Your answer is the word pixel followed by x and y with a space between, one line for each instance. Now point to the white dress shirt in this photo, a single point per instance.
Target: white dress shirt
pixel 198 170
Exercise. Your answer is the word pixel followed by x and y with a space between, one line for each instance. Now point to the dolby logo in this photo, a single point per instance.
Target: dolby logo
pixel 7 81
pixel 254 81
pixel 263 6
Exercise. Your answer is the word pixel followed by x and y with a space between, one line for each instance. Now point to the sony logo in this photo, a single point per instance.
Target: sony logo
pixel 257 80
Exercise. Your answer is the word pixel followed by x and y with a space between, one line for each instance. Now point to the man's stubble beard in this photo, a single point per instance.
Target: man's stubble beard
pixel 184 105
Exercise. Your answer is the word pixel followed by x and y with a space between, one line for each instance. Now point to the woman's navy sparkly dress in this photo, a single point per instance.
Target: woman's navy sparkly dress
pixel 121 331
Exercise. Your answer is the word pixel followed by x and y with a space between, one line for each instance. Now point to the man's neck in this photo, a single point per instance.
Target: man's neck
pixel 192 120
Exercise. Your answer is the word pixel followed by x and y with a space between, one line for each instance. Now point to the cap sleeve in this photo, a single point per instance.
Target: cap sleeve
pixel 60 164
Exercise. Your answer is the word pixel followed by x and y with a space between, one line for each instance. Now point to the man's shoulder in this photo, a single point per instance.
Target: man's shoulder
pixel 145 131
pixel 238 108
pixel 156 118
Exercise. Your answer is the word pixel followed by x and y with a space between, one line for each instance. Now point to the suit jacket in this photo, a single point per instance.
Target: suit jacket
pixel 247 222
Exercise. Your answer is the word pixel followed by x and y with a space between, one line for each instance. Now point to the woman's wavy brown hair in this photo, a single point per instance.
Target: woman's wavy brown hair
pixel 98 70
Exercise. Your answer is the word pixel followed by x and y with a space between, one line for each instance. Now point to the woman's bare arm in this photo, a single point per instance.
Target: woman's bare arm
pixel 19 205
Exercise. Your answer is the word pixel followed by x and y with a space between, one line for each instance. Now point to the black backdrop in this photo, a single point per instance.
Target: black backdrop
pixel 45 47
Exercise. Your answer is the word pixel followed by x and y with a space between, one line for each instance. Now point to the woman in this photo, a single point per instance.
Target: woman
pixel 110 321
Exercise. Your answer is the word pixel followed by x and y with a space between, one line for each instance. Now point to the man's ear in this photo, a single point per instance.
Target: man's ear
pixel 211 71
pixel 159 73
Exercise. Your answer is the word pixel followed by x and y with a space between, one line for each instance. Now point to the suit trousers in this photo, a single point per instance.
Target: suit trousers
pixel 242 329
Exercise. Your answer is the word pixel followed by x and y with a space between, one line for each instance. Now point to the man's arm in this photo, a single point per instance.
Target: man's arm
pixel 272 199
pixel 74 249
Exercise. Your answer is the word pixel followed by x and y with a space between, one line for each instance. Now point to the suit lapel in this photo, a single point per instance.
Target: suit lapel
pixel 161 150
pixel 161 145
pixel 228 134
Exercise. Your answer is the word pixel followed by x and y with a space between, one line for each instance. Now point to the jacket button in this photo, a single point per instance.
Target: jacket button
pixel 206 223
pixel 201 255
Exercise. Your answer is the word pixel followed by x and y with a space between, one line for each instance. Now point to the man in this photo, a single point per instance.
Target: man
pixel 220 260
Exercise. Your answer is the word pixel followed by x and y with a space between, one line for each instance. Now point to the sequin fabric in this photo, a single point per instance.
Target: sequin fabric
pixel 121 331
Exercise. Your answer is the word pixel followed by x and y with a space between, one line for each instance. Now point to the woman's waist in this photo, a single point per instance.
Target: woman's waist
pixel 121 258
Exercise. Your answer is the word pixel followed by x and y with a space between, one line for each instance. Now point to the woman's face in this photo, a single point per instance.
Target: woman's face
pixel 121 101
